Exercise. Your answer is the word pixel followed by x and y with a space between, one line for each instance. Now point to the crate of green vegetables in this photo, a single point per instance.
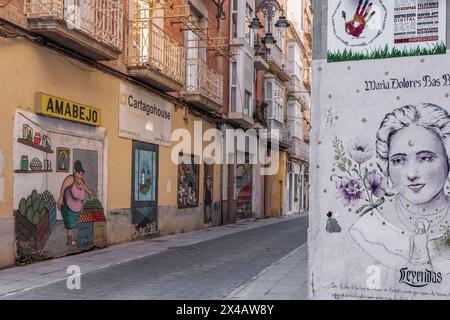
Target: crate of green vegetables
pixel 32 225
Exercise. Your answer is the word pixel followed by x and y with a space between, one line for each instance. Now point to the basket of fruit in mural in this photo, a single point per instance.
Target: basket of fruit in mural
pixel 92 225
pixel 50 205
pixel 32 225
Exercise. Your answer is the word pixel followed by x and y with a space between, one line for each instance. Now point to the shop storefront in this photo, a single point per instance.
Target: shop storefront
pixel 58 178
pixel 146 119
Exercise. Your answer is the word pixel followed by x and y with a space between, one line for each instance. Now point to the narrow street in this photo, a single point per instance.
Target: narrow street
pixel 223 267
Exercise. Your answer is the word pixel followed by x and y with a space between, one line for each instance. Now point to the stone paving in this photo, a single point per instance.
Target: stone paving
pixel 41 278
pixel 284 280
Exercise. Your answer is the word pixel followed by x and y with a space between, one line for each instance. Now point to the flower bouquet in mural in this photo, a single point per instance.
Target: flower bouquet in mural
pixel 357 185
pixel 33 223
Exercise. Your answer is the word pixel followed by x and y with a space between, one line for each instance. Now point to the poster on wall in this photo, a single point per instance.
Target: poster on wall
pixel 145 175
pixel 188 183
pixel 376 29
pixel 380 180
pixel 208 192
pixel 244 188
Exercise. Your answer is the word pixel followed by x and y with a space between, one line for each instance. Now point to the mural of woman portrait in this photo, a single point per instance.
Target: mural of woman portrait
pixel 411 228
pixel 70 202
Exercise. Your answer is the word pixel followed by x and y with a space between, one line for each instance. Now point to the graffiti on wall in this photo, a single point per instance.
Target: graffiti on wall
pixel 244 189
pixel 208 192
pixel 382 174
pixel 376 29
pixel 56 213
pixel 405 198
pixel 188 184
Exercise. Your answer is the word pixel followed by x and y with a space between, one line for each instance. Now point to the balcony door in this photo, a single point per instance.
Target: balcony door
pixel 194 53
pixel 80 14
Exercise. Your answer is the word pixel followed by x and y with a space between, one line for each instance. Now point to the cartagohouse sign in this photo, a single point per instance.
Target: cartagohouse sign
pixel 144 116
pixel 68 110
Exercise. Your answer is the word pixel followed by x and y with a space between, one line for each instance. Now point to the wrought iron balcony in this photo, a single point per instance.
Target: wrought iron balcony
pixel 155 57
pixel 284 134
pixel 93 28
pixel 204 86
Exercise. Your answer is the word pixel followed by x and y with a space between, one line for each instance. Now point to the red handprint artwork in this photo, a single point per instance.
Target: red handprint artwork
pixel 356 26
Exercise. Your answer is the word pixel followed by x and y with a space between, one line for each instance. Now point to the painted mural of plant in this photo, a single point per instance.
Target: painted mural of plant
pixel 355 184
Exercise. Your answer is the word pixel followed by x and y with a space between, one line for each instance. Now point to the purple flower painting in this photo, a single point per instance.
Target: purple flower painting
pixel 375 183
pixel 350 190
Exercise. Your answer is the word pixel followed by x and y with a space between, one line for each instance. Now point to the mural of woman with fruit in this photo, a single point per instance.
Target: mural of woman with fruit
pixel 70 202
pixel 403 207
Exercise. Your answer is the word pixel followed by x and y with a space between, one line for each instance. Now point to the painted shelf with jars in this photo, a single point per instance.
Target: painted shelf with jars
pixel 36 141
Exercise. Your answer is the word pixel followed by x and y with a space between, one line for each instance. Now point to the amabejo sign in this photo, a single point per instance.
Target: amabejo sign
pixel 68 110
pixel 144 116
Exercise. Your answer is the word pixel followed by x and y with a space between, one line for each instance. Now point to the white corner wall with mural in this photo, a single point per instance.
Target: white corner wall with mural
pixel 380 179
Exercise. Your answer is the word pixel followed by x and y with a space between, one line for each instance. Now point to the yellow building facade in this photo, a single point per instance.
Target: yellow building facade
pixel 29 69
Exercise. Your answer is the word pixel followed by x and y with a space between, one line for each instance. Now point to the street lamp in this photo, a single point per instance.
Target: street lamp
pixel 269 8
pixel 269 40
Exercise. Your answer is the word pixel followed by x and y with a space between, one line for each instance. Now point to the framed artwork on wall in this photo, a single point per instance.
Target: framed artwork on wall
pixel 188 184
pixel 62 160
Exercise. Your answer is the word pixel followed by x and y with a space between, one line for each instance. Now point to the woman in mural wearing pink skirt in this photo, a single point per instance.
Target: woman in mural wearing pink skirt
pixel 70 202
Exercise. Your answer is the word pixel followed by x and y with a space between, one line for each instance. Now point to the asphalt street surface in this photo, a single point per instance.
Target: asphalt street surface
pixel 206 270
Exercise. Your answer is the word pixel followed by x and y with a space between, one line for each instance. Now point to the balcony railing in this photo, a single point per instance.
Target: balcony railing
pixel 150 46
pixel 300 149
pixel 102 20
pixel 286 135
pixel 274 111
pixel 203 80
pixel 277 61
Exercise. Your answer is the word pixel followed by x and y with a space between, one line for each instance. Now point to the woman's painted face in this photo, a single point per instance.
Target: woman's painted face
pixel 79 174
pixel 418 164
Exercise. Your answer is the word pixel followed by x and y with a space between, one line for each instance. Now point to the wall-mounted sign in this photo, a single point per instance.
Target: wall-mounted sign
pixel 144 116
pixel 68 110
pixel 363 29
